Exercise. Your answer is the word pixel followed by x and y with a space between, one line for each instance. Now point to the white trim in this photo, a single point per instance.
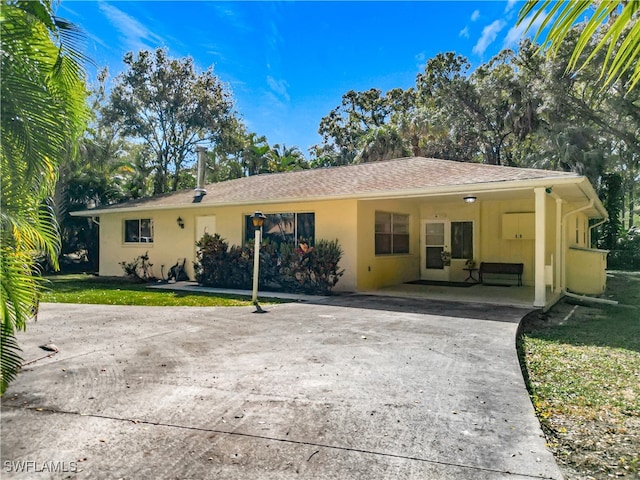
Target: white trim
pixel 559 253
pixel 433 273
pixel 540 252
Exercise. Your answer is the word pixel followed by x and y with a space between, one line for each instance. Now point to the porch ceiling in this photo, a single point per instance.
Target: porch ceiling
pixel 572 193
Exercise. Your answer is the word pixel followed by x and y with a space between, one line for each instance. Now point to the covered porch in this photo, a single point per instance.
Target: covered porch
pixel 542 226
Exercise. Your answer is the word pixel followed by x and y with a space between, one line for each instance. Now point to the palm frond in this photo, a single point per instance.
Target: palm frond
pixel 621 37
pixel 10 360
pixel 43 113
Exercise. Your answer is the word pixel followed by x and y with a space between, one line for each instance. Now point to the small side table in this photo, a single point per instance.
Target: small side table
pixel 470 276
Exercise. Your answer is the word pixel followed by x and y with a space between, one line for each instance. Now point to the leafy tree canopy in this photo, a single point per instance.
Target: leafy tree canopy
pixel 165 103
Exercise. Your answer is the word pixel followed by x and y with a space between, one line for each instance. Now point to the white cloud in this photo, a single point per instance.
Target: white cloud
pixel 464 32
pixel 136 35
pixel 475 15
pixel 489 34
pixel 279 87
pixel 516 33
pixel 231 16
pixel 510 5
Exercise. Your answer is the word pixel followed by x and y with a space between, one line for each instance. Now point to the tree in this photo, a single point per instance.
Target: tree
pixel 344 129
pixel 618 19
pixel 168 105
pixel 382 143
pixel 255 155
pixel 286 159
pixel 491 107
pixel 43 113
pixel 98 175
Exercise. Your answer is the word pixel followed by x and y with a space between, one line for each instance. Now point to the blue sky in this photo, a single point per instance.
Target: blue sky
pixel 289 63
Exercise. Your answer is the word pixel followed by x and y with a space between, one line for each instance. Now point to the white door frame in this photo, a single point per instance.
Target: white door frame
pixel 441 274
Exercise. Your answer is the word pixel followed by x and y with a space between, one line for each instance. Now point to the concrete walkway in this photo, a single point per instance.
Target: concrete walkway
pixel 351 387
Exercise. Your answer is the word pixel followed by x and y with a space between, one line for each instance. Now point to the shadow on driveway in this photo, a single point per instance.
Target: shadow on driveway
pixel 467 310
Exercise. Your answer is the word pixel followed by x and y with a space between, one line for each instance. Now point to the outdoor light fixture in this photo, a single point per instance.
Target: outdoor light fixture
pixel 180 222
pixel 470 199
pixel 258 220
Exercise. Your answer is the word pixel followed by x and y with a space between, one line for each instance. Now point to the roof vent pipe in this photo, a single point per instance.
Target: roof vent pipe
pixel 202 165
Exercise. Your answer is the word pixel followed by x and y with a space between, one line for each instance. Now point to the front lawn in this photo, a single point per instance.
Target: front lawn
pixel 583 368
pixel 122 291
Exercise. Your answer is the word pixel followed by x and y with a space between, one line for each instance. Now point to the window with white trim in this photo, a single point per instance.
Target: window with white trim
pixel 391 233
pixel 138 231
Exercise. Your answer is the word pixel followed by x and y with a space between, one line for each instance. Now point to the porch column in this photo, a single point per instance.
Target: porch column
pixel 559 253
pixel 540 298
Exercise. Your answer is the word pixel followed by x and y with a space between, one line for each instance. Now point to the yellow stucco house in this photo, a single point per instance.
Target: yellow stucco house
pixel 393 219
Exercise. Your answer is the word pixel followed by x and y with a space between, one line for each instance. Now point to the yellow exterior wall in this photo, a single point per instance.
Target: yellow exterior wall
pixel 493 248
pixel 170 242
pixel 333 220
pixel 457 211
pixel 376 271
pixel 585 267
pixel 352 223
pixel 577 229
pixel 586 272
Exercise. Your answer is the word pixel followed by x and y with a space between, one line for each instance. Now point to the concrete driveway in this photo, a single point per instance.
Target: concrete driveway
pixel 352 387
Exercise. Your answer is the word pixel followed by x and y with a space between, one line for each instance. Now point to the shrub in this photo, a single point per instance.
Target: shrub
pixel 626 255
pixel 311 270
pixel 283 267
pixel 139 268
pixel 212 261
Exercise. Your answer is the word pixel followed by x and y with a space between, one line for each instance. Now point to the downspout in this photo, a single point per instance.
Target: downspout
pixel 582 298
pixel 594 226
pixel 95 220
pixel 563 285
pixel 563 291
pixel 585 298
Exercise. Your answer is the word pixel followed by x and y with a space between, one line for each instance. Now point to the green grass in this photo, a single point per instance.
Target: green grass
pixel 122 291
pixel 584 381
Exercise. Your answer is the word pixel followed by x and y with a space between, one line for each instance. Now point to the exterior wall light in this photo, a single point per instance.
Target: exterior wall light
pixel 470 199
pixel 180 222
pixel 258 220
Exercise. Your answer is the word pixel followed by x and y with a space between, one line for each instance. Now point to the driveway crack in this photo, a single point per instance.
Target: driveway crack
pixel 274 439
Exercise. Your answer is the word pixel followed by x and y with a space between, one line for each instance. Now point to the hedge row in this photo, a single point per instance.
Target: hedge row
pixel 284 267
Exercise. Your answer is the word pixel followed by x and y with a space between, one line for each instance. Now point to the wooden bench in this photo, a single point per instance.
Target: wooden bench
pixel 501 268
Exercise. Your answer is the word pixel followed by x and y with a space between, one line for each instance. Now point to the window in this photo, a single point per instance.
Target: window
pixel 284 227
pixel 138 231
pixel 392 233
pixel 462 240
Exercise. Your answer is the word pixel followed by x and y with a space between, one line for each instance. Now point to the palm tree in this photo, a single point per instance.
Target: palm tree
pixel 255 158
pixel 621 35
pixel 285 159
pixel 43 113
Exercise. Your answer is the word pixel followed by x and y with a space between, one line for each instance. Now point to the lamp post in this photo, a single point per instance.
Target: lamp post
pixel 258 220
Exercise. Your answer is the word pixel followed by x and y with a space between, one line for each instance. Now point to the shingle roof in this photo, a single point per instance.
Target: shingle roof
pixel 367 179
